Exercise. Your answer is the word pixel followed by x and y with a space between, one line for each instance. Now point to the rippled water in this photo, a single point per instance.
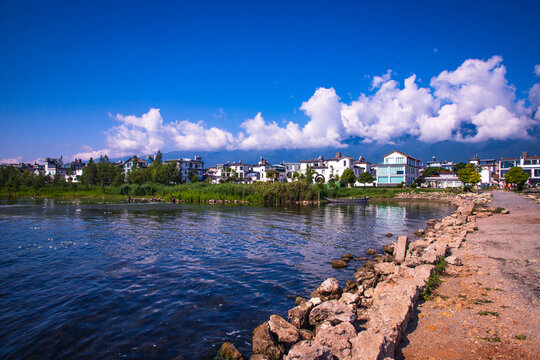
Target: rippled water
pixel 170 281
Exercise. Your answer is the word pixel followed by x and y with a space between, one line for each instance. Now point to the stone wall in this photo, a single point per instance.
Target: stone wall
pixel 367 319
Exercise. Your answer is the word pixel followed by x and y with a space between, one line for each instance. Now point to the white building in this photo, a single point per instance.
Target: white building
pixel 443 180
pixel 290 169
pixel 398 168
pixel 487 167
pixel 333 168
pixel 53 167
pixel 529 163
pixel 446 165
pixel 129 164
pixel 187 167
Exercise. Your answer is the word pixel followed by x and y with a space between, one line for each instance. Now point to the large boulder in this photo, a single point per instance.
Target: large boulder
pixel 298 316
pixel 400 250
pixel 286 333
pixel 337 338
pixel 265 343
pixel 228 352
pixel 384 268
pixel 309 350
pixel 328 290
pixel 339 264
pixel 332 311
pixel 368 345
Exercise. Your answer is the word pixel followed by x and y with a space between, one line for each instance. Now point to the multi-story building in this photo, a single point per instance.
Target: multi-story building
pixel 529 163
pixel 398 168
pixel 188 167
pixel 133 162
pixel 487 167
pixel 325 170
pixel 445 165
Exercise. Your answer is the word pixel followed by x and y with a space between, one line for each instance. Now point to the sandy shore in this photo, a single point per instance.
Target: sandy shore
pixel 488 308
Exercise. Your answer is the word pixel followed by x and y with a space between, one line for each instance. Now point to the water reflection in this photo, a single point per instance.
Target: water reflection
pixel 162 280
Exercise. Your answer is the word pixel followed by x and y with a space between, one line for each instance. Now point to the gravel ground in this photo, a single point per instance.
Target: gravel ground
pixel 489 307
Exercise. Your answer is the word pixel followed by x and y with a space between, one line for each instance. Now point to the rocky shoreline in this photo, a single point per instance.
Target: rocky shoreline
pixel 366 319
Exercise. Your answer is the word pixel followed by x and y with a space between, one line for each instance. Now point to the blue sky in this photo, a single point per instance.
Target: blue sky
pixel 73 73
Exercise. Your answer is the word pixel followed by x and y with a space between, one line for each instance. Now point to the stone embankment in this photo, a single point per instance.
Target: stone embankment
pixel 367 318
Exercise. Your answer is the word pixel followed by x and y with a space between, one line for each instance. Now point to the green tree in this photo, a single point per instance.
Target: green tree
pixel 469 176
pixel 348 177
pixel 159 158
pixel 13 182
pixel 309 175
pixel 193 175
pixel 90 176
pixel 295 175
pixel 516 176
pixel 431 171
pixel 365 177
pixel 459 166
pixel 38 183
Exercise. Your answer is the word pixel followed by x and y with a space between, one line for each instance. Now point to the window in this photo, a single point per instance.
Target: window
pixel 507 164
pixel 536 172
pixel 344 162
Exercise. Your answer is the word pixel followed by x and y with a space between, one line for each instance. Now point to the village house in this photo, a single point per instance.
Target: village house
pixel 130 164
pixel 398 168
pixel 290 169
pixel 487 168
pixel 445 179
pixel 188 167
pixel 445 165
pixel 529 163
pixel 325 170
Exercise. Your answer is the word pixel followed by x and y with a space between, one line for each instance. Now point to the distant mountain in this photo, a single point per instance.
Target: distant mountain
pixel 446 150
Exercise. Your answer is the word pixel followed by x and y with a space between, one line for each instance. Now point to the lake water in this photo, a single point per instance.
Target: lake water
pixel 170 281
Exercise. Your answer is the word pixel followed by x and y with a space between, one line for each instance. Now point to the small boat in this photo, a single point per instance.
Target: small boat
pixel 347 200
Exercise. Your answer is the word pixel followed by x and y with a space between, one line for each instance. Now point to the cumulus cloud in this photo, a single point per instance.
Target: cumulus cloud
pixel 472 103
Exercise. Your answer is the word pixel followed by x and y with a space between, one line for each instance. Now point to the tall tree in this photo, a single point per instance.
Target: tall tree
pixel 365 177
pixel 516 176
pixel 469 176
pixel 38 183
pixel 348 177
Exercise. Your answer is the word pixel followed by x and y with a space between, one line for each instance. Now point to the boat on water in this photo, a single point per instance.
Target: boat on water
pixel 347 200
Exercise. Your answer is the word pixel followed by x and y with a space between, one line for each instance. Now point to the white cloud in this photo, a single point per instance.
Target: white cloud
pixel 469 104
pixel 13 160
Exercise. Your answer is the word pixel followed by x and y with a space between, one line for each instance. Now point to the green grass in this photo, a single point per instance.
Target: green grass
pixel 434 280
pixel 481 301
pixel 492 339
pixel 486 313
pixel 521 337
pixel 259 193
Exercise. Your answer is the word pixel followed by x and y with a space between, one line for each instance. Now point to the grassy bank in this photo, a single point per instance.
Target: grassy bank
pixel 259 193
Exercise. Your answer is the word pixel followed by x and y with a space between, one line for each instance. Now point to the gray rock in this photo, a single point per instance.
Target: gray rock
pixel 299 316
pixel 401 249
pixel 389 248
pixel 309 350
pixel 265 343
pixel 228 352
pixel 339 264
pixel 306 334
pixel 286 333
pixel 337 338
pixel 333 311
pixel 371 252
pixel 328 290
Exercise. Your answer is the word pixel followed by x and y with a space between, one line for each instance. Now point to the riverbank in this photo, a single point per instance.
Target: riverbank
pixel 269 194
pixel 486 308
pixel 367 318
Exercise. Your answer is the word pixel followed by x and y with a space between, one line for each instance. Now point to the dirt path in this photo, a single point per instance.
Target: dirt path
pixel 489 308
